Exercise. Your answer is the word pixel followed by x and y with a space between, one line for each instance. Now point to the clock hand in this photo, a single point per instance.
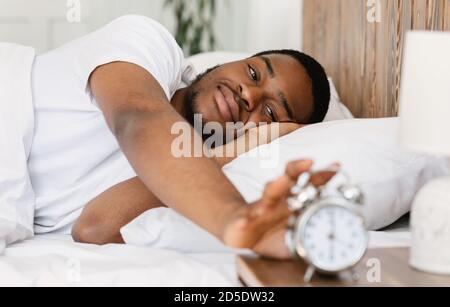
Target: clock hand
pixel 332 250
pixel 332 236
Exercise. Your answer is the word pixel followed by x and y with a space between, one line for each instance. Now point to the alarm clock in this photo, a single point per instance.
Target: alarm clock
pixel 328 232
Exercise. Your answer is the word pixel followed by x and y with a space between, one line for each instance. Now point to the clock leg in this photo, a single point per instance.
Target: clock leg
pixel 309 274
pixel 355 275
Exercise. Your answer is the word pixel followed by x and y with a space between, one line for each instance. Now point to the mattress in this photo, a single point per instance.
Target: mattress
pixel 55 260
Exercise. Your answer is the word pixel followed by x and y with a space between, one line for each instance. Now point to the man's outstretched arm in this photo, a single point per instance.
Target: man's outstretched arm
pixel 140 116
pixel 103 217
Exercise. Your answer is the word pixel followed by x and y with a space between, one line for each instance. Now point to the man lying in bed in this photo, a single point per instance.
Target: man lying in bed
pixel 128 79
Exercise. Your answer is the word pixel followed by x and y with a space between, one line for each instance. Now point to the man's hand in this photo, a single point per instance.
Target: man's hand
pixel 262 226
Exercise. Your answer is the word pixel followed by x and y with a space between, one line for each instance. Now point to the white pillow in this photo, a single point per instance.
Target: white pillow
pixel 367 149
pixel 204 61
pixel 201 62
pixel 337 110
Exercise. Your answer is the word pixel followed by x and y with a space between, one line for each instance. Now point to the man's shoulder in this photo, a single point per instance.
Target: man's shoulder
pixel 135 18
pixel 141 26
pixel 140 21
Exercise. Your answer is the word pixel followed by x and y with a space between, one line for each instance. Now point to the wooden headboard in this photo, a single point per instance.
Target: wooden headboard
pixel 360 43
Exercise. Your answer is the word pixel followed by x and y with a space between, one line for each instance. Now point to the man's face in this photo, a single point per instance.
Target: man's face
pixel 272 88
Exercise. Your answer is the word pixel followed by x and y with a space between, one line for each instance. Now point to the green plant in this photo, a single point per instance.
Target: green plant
pixel 194 24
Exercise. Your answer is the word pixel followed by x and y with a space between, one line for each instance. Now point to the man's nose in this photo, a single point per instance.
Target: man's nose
pixel 250 96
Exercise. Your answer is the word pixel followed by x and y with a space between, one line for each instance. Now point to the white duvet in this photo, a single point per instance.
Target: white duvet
pixel 56 261
pixel 16 133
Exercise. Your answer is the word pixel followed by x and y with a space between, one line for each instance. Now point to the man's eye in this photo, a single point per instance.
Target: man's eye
pixel 253 73
pixel 270 113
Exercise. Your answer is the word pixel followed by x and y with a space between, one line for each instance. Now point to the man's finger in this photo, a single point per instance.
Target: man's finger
pixel 278 190
pixel 296 168
pixel 323 177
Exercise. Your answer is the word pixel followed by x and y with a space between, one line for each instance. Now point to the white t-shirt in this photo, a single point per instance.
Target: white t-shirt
pixel 74 156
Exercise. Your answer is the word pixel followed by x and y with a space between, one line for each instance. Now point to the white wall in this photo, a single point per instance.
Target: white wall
pixel 256 25
pixel 242 25
pixel 274 24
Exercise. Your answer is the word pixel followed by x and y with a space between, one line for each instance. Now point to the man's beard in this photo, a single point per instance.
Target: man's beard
pixel 191 110
pixel 191 105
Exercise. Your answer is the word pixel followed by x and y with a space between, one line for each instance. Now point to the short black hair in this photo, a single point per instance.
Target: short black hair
pixel 318 76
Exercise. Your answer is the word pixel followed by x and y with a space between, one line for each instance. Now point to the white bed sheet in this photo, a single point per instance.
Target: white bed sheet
pixel 55 260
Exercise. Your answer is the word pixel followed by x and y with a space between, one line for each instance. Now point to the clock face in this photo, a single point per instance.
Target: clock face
pixel 334 238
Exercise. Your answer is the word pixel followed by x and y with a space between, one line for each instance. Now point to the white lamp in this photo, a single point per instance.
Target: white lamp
pixel 425 126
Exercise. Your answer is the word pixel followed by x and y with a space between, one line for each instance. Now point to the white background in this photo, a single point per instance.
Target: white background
pixel 241 25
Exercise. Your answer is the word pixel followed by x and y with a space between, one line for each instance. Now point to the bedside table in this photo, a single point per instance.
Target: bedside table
pixel 379 268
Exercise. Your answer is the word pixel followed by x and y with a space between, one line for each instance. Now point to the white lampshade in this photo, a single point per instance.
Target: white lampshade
pixel 425 126
pixel 425 93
